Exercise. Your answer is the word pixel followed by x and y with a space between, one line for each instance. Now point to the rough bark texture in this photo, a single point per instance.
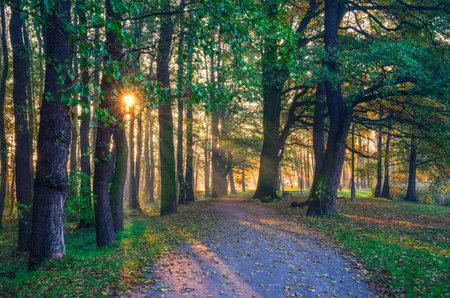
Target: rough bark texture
pixel 50 187
pixel 385 193
pixel 3 145
pixel 318 126
pixel 103 217
pixel 119 177
pixel 322 199
pixel 377 192
pixel 166 146
pixel 411 191
pixel 22 156
pixel 272 83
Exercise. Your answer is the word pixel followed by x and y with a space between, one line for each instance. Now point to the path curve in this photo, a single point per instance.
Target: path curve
pixel 254 253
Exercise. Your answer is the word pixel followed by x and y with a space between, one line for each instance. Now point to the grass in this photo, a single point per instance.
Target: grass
pixel 88 271
pixel 404 246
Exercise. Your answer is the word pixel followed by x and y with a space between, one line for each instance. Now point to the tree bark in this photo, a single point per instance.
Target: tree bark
pixel 352 186
pixel 103 215
pixel 377 192
pixel 151 186
pixel 50 187
pixel 22 156
pixel 119 177
pixel 411 191
pixel 318 126
pixel 322 198
pixel 3 145
pixel 207 166
pixel 385 193
pixel 166 146
pixel 137 167
pixel 190 197
pixel 85 163
pixel 133 201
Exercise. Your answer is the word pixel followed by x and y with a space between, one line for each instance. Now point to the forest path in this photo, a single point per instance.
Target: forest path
pixel 254 253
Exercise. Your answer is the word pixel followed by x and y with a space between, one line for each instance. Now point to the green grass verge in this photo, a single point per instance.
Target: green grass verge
pixel 86 270
pixel 405 246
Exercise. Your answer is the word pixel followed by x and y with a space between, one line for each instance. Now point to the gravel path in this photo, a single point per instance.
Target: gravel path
pixel 254 253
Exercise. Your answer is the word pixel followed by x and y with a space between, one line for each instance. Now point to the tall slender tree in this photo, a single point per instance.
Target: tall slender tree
pixel 22 156
pixel 166 146
pixel 3 145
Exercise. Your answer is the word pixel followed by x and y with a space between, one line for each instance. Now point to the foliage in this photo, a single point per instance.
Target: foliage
pixel 80 198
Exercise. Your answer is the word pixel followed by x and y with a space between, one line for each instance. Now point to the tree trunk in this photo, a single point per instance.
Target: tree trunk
pixel 151 185
pixel 322 198
pixel 3 145
pixel 386 189
pixel 352 186
pixel 137 167
pixel 50 187
pixel 85 163
pixel 207 166
pixel 243 180
pixel 318 126
pixel 411 191
pixel 103 216
pixel 166 147
pixel 30 108
pixel 377 192
pixel 232 186
pixel 119 177
pixel 22 156
pixel 147 152
pixel 73 141
pixel 189 155
pixel 133 203
pixel 272 82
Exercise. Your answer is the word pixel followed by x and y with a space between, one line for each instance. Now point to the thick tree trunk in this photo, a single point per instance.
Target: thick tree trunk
pixel 30 108
pixel 318 126
pixel 322 198
pixel 119 177
pixel 103 216
pixel 3 145
pixel 22 156
pixel 377 192
pixel 232 186
pixel 166 146
pixel 411 191
pixel 272 83
pixel 385 193
pixel 50 187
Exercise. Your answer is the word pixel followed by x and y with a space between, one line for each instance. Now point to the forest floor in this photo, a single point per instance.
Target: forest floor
pixel 400 248
pixel 252 252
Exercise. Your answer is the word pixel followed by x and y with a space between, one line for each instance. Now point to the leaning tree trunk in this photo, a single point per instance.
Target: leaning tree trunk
pixel 22 156
pixel 322 199
pixel 103 216
pixel 3 145
pixel 50 187
pixel 377 192
pixel 166 146
pixel 385 193
pixel 411 191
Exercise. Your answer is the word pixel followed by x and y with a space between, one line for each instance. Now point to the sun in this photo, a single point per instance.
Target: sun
pixel 128 100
